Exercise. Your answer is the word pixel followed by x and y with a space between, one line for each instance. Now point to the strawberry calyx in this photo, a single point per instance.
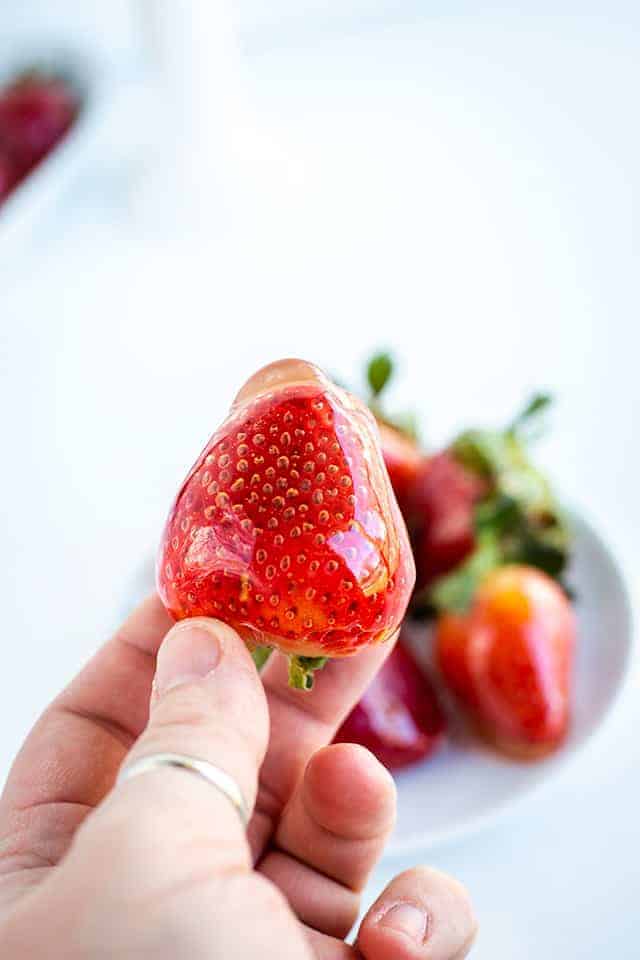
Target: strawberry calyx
pixel 260 655
pixel 301 670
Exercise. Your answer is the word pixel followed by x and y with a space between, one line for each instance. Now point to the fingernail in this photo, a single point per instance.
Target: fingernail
pixel 406 918
pixel 189 652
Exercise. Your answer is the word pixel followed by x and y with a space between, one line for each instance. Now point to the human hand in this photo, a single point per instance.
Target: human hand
pixel 160 865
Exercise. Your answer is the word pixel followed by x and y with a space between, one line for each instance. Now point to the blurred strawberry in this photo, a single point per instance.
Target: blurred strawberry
pixel 442 515
pixel 398 718
pixel 287 527
pixel 35 113
pixel 7 176
pixel 403 461
pixel 509 659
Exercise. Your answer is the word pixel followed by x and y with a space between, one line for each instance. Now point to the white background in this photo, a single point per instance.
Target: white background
pixel 461 186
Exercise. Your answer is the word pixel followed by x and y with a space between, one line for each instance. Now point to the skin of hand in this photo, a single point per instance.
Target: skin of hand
pixel 160 865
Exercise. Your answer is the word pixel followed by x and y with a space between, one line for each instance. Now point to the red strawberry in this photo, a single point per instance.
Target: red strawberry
pixel 509 660
pixel 7 176
pixel 35 113
pixel 442 516
pixel 403 461
pixel 287 527
pixel 398 718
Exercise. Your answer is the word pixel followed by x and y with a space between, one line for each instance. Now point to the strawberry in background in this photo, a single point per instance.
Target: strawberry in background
pixel 442 515
pixel 7 176
pixel 507 656
pixel 436 494
pixel 483 503
pixel 36 111
pixel 398 718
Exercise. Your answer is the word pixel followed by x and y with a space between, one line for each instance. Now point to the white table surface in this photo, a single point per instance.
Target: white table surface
pixel 462 188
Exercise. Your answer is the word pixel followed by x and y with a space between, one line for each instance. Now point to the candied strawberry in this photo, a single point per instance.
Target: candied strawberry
pixel 287 527
pixel 398 718
pixel 35 113
pixel 442 515
pixel 509 660
pixel 403 461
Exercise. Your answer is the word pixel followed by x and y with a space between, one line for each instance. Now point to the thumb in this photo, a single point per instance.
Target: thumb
pixel 207 703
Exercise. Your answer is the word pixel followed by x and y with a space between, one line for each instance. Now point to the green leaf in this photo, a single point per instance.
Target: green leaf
pixel 260 656
pixel 379 372
pixel 481 451
pixel 301 670
pixel 498 513
pixel 535 406
pixel 543 542
pixel 454 592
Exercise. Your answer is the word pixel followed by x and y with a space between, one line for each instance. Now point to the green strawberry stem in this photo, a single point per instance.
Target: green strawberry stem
pixel 454 592
pixel 301 670
pixel 260 656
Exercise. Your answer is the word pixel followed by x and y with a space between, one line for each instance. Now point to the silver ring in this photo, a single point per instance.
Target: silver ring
pixel 218 778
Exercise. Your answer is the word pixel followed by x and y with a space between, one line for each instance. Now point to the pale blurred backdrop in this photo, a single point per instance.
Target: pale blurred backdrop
pixel 459 182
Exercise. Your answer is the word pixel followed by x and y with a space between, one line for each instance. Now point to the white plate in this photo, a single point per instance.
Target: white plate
pixel 465 785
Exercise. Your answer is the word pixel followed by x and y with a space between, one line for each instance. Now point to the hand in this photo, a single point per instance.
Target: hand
pixel 160 866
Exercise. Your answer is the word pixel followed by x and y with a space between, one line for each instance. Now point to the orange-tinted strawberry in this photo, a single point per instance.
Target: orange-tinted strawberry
pixel 509 660
pixel 287 527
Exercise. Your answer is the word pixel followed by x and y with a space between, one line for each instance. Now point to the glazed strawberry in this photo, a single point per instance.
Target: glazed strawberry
pixel 509 660
pixel 287 527
pixel 398 718
pixel 403 461
pixel 35 113
pixel 442 515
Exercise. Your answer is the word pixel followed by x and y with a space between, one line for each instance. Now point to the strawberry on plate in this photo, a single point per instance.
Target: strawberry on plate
pixel 398 717
pixel 287 527
pixel 403 460
pixel 508 660
pixel 442 509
